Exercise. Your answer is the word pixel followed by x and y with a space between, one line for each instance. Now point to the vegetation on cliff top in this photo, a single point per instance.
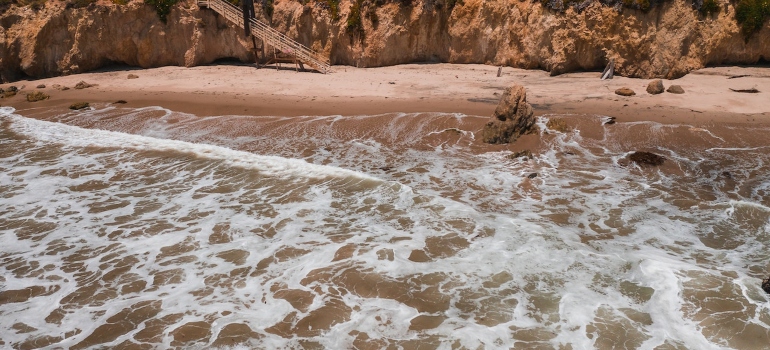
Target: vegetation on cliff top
pixel 162 7
pixel 751 15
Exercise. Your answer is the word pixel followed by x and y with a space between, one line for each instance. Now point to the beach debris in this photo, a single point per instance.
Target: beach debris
pixel 738 76
pixel 624 91
pixel 82 85
pixel 133 76
pixel 609 121
pixel 37 96
pixel 646 158
pixel 726 174
pixel 557 124
pixel 120 102
pixel 609 71
pixel 499 71
pixel 532 176
pixel 79 105
pixel 766 285
pixel 41 86
pixel 675 89
pixel 655 87
pixel 513 117
pixel 521 154
pixel 385 168
pixel 748 91
pixel 392 82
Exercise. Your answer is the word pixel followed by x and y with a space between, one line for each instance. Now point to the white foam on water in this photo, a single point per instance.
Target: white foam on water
pixel 78 137
pixel 586 254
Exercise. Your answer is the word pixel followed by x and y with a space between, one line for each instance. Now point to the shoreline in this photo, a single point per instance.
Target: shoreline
pixel 412 88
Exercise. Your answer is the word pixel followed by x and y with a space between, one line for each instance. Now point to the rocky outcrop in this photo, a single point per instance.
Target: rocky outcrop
pixel 668 41
pixel 513 117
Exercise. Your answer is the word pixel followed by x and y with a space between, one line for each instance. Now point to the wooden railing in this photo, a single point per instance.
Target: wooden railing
pixel 270 36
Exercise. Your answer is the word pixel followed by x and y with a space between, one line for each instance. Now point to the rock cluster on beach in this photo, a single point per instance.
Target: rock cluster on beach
pixel 513 117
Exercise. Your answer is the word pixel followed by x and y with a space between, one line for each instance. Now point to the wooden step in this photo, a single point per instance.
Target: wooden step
pixel 269 36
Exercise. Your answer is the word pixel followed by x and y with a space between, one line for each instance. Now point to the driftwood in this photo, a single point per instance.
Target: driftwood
pixel 748 91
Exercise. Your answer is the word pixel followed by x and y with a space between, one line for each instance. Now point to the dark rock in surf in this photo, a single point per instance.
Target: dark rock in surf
pixel 79 105
pixel 525 154
pixel 675 89
pixel 655 87
pixel 646 158
pixel 119 102
pixel 532 176
pixel 609 121
pixel 513 117
pixel 624 91
pixel 766 285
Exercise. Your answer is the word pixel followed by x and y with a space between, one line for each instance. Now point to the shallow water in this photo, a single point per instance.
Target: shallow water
pixel 146 228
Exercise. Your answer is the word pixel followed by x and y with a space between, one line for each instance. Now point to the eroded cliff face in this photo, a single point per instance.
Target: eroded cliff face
pixel 668 41
pixel 59 40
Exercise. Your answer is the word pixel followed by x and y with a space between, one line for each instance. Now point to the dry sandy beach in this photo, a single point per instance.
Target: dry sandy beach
pixel 469 89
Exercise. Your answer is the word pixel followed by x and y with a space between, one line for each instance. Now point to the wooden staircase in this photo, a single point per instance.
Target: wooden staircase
pixel 270 36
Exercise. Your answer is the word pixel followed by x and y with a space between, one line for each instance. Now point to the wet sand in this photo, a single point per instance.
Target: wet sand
pixel 468 89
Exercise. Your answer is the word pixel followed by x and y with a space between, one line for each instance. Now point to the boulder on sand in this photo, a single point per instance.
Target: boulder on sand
pixel 82 85
pixel 513 117
pixel 624 91
pixel 675 89
pixel 655 87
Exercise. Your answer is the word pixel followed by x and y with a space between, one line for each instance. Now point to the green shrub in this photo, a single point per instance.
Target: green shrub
pixel 709 7
pixel 355 25
pixel 81 3
pixel 751 15
pixel 334 8
pixel 267 6
pixel 162 7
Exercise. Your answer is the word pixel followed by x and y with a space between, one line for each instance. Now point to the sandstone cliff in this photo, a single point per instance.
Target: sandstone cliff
pixel 668 41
